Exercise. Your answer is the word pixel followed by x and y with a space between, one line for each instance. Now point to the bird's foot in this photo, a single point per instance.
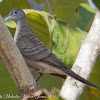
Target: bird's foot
pixel 39 77
pixel 37 71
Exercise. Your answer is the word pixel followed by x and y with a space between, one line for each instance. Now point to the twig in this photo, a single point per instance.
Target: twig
pixel 49 7
pixel 36 6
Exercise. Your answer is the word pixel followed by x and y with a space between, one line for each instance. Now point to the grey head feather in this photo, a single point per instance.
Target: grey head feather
pixel 16 14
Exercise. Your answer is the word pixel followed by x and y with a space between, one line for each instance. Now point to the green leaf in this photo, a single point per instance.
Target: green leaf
pixel 84 16
pixel 66 41
pixel 65 9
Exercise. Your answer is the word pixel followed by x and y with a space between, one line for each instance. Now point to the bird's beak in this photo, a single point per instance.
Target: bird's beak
pixel 9 17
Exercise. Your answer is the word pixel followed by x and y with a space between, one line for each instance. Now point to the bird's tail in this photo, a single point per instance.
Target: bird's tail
pixel 74 75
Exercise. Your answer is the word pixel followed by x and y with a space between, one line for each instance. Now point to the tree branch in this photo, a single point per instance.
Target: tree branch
pixel 36 6
pixel 15 63
pixel 86 59
pixel 49 7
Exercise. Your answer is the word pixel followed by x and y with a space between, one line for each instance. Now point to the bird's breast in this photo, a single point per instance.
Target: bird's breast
pixel 42 65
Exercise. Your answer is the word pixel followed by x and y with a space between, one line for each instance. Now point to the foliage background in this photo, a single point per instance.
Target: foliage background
pixel 62 34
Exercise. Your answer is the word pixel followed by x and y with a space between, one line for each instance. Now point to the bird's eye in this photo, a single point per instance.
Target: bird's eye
pixel 16 12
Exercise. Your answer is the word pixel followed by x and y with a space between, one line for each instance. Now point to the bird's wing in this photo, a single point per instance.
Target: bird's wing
pixel 32 48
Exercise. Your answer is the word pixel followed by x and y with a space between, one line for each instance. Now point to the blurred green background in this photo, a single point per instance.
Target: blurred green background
pixel 61 25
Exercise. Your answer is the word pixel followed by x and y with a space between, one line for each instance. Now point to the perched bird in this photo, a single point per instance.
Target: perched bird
pixel 35 53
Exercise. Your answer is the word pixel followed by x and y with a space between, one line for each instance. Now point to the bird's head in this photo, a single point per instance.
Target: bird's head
pixel 16 14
